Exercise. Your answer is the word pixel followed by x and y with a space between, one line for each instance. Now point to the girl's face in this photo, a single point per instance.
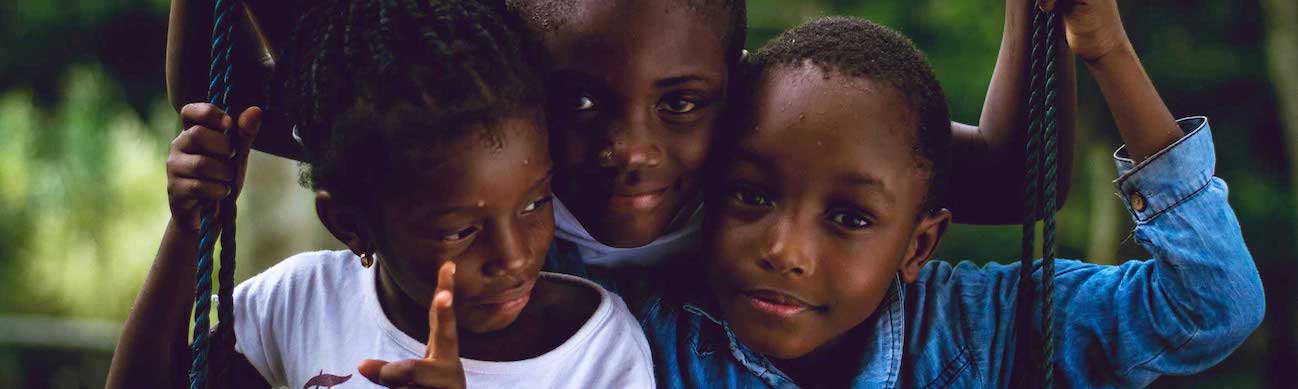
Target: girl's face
pixel 488 210
pixel 636 90
pixel 819 212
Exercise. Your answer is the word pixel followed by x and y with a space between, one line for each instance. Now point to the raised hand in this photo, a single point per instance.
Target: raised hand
pixel 203 166
pixel 440 367
pixel 1094 27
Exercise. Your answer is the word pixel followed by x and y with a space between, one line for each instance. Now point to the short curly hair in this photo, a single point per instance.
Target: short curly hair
pixel 859 48
pixel 547 15
pixel 373 85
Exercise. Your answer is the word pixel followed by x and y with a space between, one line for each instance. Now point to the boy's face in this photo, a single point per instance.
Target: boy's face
pixel 636 88
pixel 487 209
pixel 819 210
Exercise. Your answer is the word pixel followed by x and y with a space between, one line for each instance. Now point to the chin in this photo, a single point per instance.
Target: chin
pixel 627 231
pixel 483 325
pixel 773 343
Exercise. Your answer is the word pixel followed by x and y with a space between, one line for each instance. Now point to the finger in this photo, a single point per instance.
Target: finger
pixel 411 372
pixel 1046 5
pixel 249 126
pixel 205 141
pixel 443 337
pixel 370 369
pixel 206 115
pixel 199 167
pixel 195 189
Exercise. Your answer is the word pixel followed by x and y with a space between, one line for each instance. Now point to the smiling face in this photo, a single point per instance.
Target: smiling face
pixel 488 210
pixel 818 211
pixel 635 88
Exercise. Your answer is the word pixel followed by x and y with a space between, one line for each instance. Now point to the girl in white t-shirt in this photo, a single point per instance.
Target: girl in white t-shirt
pixel 425 143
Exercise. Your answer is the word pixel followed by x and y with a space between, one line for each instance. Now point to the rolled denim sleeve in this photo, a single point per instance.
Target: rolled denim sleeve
pixel 1182 311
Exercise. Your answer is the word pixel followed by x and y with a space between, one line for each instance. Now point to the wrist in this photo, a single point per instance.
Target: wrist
pixel 1121 54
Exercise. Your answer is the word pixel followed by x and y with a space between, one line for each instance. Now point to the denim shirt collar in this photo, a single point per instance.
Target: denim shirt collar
pixel 879 369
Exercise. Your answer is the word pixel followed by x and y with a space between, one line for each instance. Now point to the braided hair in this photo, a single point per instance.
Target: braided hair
pixel 372 85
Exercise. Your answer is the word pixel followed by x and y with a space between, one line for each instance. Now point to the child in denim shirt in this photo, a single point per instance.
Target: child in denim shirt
pixel 829 208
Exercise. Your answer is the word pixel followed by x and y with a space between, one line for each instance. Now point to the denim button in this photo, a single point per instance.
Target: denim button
pixel 1137 201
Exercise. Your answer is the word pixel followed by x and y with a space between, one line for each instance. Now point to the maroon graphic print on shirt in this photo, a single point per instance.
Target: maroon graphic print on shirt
pixel 325 380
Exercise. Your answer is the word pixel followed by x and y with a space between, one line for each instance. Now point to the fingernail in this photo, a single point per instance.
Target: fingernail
pixel 452 268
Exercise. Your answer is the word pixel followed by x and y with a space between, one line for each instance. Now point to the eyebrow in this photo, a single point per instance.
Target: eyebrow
pixel 677 80
pixel 858 179
pixel 435 212
pixel 745 155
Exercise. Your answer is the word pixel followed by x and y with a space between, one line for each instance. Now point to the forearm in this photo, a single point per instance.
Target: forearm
pixel 153 348
pixel 1143 120
pixel 989 159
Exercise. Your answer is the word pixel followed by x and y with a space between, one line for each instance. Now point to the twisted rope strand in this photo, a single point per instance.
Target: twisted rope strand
pixel 1031 185
pixel 1049 127
pixel 218 93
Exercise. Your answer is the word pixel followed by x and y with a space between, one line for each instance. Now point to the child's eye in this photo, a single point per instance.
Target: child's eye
pixel 850 220
pixel 535 205
pixel 584 102
pixel 750 196
pixel 459 235
pixel 678 105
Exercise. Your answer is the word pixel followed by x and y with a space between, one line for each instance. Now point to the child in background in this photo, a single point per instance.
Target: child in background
pixel 825 217
pixel 425 143
pixel 637 92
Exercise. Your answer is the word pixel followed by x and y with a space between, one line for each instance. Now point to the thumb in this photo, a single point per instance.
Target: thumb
pixel 370 369
pixel 249 126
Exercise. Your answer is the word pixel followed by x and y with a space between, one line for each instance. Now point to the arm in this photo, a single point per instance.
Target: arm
pixel 1200 296
pixel 200 170
pixel 992 154
pixel 189 38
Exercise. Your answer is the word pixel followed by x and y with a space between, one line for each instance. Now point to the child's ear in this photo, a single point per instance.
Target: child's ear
pixel 343 222
pixel 924 242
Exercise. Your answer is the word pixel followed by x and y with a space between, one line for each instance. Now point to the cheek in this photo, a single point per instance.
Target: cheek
pixel 568 147
pixel 689 149
pixel 732 238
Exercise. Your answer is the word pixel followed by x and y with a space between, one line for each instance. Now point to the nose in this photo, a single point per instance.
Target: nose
pixel 631 145
pixel 510 253
pixel 787 250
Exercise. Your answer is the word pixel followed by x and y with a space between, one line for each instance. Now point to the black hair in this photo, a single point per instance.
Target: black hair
pixel 859 48
pixel 547 15
pixel 373 85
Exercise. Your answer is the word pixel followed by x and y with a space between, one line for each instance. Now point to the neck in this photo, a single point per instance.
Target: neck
pixel 833 364
pixel 404 312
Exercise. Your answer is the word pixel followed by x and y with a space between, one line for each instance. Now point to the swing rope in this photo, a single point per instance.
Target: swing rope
pixel 218 93
pixel 1041 174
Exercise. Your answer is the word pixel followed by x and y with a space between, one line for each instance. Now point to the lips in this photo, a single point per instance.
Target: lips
pixel 641 201
pixel 776 303
pixel 507 300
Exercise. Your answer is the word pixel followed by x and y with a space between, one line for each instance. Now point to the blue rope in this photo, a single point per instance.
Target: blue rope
pixel 218 93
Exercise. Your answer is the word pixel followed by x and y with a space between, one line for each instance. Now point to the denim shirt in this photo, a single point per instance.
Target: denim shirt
pixel 1115 326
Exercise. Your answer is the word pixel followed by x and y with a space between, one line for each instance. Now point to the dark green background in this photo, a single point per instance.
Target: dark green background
pixel 84 128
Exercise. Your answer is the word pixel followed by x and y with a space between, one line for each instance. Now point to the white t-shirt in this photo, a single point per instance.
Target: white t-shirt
pixel 680 240
pixel 316 316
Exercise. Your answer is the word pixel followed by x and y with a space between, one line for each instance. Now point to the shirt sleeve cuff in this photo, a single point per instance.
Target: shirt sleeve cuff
pixel 1170 176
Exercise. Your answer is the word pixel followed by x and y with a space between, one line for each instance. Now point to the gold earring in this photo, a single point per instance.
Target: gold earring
pixel 367 259
pixel 606 158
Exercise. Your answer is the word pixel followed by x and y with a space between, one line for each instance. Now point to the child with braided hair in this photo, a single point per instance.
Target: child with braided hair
pixel 424 139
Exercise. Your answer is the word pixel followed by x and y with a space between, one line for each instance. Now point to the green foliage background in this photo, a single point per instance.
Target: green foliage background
pixel 84 129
